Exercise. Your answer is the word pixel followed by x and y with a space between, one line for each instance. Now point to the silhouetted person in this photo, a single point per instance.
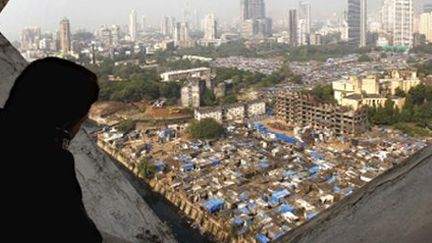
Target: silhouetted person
pixel 41 198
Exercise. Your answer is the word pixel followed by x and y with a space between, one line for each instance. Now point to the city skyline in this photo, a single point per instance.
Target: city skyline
pixel 46 14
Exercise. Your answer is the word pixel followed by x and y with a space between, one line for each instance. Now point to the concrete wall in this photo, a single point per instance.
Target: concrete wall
pixel 110 199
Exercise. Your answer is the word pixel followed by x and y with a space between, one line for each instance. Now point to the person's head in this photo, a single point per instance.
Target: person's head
pixel 53 93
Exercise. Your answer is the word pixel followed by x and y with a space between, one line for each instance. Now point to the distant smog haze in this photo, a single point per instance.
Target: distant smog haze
pixel 92 14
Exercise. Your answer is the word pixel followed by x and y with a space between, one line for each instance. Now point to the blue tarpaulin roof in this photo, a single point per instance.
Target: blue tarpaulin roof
pixel 244 210
pixel 238 221
pixel 216 162
pixel 189 166
pixel 316 155
pixel 244 196
pixel 314 169
pixel 167 133
pixel 289 173
pixel 336 189
pixel 251 205
pixel 286 208
pixel 310 215
pixel 262 238
pixel 262 129
pixel 331 180
pixel 160 165
pixel 279 194
pixel 264 164
pixel 185 159
pixel 269 112
pixel 214 205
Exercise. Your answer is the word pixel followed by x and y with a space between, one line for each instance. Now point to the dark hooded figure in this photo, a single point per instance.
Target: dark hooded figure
pixel 41 198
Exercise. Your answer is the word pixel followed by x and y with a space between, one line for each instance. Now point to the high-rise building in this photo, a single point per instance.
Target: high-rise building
pixel 196 20
pixel 427 8
pixel 181 35
pixel 187 13
pixel 168 26
pixel 252 9
pixel 315 39
pixel 426 25
pixel 210 27
pixel 165 25
pixel 293 27
pixel 105 36
pixel 143 23
pixel 357 22
pixel 387 16
pixel 304 22
pixel 133 28
pixel 65 36
pixel 404 23
pixel 254 20
pixel 30 38
pixel 115 35
pixel 397 18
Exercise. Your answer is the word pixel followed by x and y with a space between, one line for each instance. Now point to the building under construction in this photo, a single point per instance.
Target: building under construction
pixel 299 109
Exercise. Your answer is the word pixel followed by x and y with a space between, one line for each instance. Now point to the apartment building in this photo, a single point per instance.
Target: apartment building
pixel 298 109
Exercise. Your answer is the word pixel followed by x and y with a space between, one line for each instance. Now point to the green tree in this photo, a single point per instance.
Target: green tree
pixel 425 111
pixel 146 169
pixel 209 98
pixel 399 92
pixel 207 128
pixel 170 90
pixel 390 112
pixel 126 126
pixel 229 99
pixel 419 94
pixel 324 93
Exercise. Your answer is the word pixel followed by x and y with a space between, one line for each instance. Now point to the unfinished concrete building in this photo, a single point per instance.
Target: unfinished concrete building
pixel 303 110
pixel 191 93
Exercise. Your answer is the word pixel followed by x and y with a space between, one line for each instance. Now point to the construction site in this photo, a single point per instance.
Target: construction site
pixel 154 114
pixel 302 110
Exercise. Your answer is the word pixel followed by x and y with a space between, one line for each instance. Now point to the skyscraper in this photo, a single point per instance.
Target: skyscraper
pixel 254 20
pixel 293 27
pixel 165 25
pixel 30 38
pixel 398 21
pixel 210 27
pixel 181 35
pixel 387 16
pixel 253 9
pixel 143 23
pixel 304 22
pixel 133 25
pixel 168 26
pixel 115 32
pixel 65 36
pixel 426 25
pixel 105 36
pixel 404 23
pixel 357 22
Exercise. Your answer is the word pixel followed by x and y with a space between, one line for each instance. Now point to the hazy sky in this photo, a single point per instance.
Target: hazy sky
pixel 93 13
